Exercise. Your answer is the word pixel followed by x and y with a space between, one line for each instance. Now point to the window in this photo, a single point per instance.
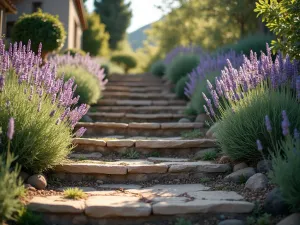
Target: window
pixel 9 27
pixel 36 6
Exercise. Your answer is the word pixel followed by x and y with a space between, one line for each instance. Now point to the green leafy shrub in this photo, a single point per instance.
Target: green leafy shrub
pixel 158 68
pixel 42 28
pixel 255 42
pixel 39 142
pixel 208 156
pixel 74 51
pixel 181 66
pixel 87 84
pixel 285 172
pixel 27 217
pixel 10 189
pixel 179 89
pixel 126 61
pixel 282 18
pixel 74 193
pixel 243 122
pixel 197 101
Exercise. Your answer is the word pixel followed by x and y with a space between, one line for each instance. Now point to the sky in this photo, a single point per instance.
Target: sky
pixel 144 12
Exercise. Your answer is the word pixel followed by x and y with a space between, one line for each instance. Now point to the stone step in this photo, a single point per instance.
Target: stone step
pixel 130 117
pixel 134 78
pixel 139 129
pixel 135 171
pixel 136 205
pixel 139 109
pixel 116 102
pixel 134 96
pixel 137 84
pixel 135 89
pixel 141 146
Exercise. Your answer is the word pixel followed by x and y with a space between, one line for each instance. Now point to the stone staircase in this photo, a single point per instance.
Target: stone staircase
pixel 136 166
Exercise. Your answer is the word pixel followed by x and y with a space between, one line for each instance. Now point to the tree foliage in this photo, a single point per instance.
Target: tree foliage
pixel 126 61
pixel 116 16
pixel 95 39
pixel 207 23
pixel 282 17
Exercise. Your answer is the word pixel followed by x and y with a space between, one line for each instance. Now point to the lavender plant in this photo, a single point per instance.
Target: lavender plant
pixel 285 154
pixel 42 105
pixel 234 83
pixel 180 50
pixel 243 121
pixel 10 184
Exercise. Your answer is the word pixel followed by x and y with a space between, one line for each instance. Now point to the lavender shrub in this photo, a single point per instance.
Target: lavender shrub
pixel 42 105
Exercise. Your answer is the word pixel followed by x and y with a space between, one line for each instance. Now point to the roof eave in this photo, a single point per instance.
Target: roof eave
pixel 81 11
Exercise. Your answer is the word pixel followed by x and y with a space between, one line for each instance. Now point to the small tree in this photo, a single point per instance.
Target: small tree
pixel 282 18
pixel 126 61
pixel 95 39
pixel 42 28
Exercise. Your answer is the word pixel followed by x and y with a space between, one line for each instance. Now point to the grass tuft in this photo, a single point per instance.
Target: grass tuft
pixel 74 193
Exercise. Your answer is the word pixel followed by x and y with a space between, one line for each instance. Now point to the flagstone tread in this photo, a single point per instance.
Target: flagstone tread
pixel 142 125
pixel 146 142
pixel 139 109
pixel 116 102
pixel 137 201
pixel 114 206
pixel 110 94
pixel 56 204
pixel 175 143
pixel 123 167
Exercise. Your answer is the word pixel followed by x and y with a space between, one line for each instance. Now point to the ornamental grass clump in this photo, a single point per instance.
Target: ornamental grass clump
pixel 181 66
pixel 243 121
pixel 88 87
pixel 43 107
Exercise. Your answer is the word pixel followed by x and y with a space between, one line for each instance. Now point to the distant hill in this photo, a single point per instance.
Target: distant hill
pixel 136 38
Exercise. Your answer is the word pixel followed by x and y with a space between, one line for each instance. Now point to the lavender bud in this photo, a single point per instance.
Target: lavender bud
pixel 52 113
pixel 285 123
pixel 296 134
pixel 40 106
pixel 79 133
pixel 268 124
pixel 11 128
pixel 259 145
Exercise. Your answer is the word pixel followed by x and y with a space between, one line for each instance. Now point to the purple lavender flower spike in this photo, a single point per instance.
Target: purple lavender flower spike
pixel 79 133
pixel 298 87
pixel 52 113
pixel 2 82
pixel 11 128
pixel 285 123
pixel 268 124
pixel 259 145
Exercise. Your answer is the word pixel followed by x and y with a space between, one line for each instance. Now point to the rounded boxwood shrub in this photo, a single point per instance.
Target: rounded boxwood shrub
pixel 42 28
pixel 197 100
pixel 126 61
pixel 181 66
pixel 158 68
pixel 179 89
pixel 87 84
pixel 74 51
pixel 243 122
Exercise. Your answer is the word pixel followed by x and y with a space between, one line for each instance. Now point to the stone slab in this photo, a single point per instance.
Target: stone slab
pixel 107 114
pixel 120 186
pixel 56 204
pixel 120 143
pixel 89 141
pixel 142 169
pixel 199 166
pixel 133 102
pixel 175 143
pixel 176 206
pixel 144 125
pixel 161 159
pixel 92 155
pixel 91 168
pixel 116 206
pixel 111 125
pixel 148 116
pixel 180 125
